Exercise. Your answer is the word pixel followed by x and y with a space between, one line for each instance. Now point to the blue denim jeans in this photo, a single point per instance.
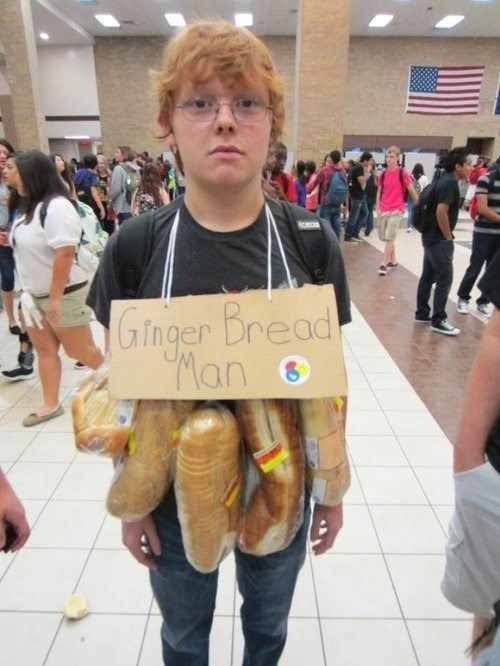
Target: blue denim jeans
pixel 369 218
pixel 357 218
pixel 332 215
pixel 437 269
pixel 187 598
pixel 484 249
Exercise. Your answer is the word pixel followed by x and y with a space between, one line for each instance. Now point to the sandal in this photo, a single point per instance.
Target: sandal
pixel 35 419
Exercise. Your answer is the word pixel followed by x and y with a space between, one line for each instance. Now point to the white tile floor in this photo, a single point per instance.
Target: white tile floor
pixel 374 599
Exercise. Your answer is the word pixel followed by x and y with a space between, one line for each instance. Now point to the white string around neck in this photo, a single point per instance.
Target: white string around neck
pixel 168 273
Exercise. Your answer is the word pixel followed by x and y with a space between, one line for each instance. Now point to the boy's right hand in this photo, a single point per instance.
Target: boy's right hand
pixel 141 539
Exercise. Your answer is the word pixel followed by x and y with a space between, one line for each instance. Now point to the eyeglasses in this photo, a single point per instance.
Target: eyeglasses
pixel 205 109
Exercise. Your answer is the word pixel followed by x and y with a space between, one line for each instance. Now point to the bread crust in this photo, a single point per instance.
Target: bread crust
pixel 207 482
pixel 275 510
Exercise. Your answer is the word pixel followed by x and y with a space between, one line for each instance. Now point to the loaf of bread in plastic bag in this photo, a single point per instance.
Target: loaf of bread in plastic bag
pixel 145 474
pixel 275 509
pixel 101 424
pixel 324 438
pixel 208 485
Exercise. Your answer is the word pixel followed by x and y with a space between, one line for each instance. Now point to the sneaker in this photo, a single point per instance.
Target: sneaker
pixel 445 328
pixel 382 270
pixel 463 306
pixel 422 320
pixel 79 365
pixel 18 374
pixel 14 330
pixel 484 309
pixel 391 265
pixel 356 239
pixel 409 230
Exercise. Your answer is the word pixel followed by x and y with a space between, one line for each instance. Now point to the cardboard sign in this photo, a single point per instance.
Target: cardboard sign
pixel 228 346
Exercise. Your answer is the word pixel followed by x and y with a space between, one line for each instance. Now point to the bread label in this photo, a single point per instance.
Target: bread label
pixel 318 492
pixel 125 412
pixel 312 452
pixel 269 458
pixel 232 493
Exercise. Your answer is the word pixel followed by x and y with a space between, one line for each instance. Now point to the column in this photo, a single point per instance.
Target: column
pixel 26 122
pixel 322 53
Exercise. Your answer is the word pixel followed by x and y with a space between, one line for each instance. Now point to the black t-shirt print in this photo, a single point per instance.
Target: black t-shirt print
pixel 447 192
pixel 490 288
pixel 208 262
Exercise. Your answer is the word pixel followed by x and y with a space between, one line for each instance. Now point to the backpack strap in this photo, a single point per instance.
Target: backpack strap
pixel 310 239
pixel 135 247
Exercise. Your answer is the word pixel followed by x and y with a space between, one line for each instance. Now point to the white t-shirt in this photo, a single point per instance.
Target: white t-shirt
pixel 423 181
pixel 34 246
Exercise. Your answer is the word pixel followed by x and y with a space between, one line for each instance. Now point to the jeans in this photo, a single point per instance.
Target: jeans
pixel 369 219
pixel 484 248
pixel 187 598
pixel 7 268
pixel 332 214
pixel 357 217
pixel 437 268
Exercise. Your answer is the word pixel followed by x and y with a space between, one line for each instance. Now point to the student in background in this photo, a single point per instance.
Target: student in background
pixel 301 183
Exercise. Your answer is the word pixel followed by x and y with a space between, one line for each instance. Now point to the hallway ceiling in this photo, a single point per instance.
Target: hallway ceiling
pixel 73 22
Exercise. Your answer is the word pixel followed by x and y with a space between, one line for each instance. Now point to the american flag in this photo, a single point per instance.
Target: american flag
pixel 444 90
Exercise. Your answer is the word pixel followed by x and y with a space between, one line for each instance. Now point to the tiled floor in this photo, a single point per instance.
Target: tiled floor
pixel 374 599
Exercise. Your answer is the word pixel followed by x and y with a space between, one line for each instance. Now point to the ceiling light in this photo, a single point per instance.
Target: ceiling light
pixel 243 20
pixel 45 36
pixel 107 20
pixel 450 21
pixel 176 20
pixel 381 20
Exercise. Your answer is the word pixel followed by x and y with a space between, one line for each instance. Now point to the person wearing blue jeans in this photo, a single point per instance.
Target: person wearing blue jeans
pixel 187 598
pixel 358 217
pixel 332 215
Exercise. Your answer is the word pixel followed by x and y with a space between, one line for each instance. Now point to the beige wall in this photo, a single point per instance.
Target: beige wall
pixel 375 96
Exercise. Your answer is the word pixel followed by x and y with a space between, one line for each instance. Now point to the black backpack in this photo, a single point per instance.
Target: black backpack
pixel 132 258
pixel 424 211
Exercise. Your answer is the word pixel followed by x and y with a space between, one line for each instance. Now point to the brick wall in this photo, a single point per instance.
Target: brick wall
pixel 374 101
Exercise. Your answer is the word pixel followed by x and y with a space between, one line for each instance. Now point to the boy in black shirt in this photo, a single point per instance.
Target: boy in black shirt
pixel 437 239
pixel 219 113
pixel 472 577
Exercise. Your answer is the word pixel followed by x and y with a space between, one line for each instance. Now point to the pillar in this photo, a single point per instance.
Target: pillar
pixel 25 126
pixel 322 53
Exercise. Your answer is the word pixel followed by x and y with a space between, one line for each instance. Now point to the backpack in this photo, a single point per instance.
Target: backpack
pixel 132 182
pixel 336 193
pixel 132 260
pixel 401 180
pixel 493 175
pixel 92 241
pixel 424 211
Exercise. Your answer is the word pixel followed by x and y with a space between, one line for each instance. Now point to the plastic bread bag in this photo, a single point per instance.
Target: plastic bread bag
pixel 274 511
pixel 324 438
pixel 208 482
pixel 144 475
pixel 101 424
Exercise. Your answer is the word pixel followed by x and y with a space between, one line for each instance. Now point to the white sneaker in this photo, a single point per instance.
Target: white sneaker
pixel 463 306
pixel 445 328
pixel 409 230
pixel 484 309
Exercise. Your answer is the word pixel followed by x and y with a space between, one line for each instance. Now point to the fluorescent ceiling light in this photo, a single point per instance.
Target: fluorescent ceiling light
pixel 45 36
pixel 450 21
pixel 243 20
pixel 107 20
pixel 77 137
pixel 176 20
pixel 381 20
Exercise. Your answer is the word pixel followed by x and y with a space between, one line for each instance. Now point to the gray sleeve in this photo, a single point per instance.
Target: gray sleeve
pixel 117 184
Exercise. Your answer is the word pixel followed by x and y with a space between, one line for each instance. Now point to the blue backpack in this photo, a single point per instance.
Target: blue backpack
pixel 336 194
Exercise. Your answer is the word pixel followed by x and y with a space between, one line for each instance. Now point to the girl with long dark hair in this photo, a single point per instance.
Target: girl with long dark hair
pixel 151 193
pixel 65 173
pixel 45 238
pixel 7 266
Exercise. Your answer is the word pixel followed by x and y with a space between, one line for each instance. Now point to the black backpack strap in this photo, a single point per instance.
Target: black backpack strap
pixel 311 241
pixel 135 246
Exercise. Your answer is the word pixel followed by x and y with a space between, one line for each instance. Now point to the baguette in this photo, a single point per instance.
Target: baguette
pixel 207 484
pixel 101 425
pixel 275 511
pixel 144 476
